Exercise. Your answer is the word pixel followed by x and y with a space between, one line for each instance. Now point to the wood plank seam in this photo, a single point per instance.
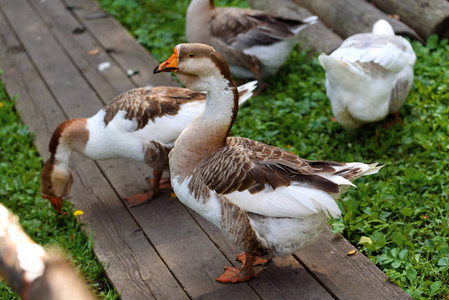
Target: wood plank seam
pixel 144 233
pixel 11 28
pixel 61 45
pixel 107 50
pixel 315 276
pixel 219 249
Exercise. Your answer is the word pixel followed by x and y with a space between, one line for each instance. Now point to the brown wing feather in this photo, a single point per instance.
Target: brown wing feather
pixel 244 164
pixel 146 104
pixel 245 27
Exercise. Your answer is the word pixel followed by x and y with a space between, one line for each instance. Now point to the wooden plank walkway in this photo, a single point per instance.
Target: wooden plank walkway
pixel 161 250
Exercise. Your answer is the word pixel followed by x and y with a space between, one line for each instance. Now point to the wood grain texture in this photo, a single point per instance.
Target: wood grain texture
pixel 317 37
pixel 61 23
pixel 349 17
pixel 118 239
pixel 347 276
pixel 124 49
pixel 425 16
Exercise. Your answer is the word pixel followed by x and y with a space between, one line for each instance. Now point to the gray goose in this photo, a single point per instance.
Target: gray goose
pixel 254 43
pixel 265 199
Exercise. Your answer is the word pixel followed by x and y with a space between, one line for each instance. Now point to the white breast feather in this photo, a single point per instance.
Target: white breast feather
pixel 210 209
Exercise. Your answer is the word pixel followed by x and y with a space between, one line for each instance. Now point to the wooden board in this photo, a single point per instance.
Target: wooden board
pixel 108 83
pixel 347 276
pixel 125 50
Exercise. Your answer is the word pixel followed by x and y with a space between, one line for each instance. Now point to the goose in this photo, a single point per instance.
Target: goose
pixel 369 76
pixel 265 199
pixel 254 43
pixel 140 124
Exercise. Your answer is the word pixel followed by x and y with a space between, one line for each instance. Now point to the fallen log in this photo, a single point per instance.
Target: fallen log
pixel 32 272
pixel 349 17
pixel 425 16
pixel 316 37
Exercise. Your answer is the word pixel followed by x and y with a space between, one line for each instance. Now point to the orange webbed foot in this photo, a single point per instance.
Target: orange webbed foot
pixel 143 198
pixel 258 261
pixel 397 120
pixel 234 275
pixel 242 274
pixel 139 199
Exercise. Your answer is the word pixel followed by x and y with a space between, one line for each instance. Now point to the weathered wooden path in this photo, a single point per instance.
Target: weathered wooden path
pixel 161 250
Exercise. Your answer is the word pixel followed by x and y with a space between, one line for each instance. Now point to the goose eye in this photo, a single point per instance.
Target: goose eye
pixel 190 55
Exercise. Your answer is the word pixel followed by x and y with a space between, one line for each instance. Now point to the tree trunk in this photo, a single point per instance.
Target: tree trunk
pixel 425 16
pixel 349 17
pixel 30 270
pixel 317 37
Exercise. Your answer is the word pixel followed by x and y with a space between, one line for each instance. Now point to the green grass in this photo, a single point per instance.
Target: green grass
pixel 398 218
pixel 20 166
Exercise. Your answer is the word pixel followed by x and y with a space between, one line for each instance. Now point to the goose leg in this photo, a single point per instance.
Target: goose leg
pixel 258 261
pixel 242 274
pixel 261 86
pixel 156 184
pixel 388 125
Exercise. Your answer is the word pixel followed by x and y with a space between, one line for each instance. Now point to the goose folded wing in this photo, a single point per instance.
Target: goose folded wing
pixel 266 180
pixel 247 28
pixel 393 53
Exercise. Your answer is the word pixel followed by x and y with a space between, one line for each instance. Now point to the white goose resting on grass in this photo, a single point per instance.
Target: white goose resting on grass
pixel 263 198
pixel 254 43
pixel 369 76
pixel 140 124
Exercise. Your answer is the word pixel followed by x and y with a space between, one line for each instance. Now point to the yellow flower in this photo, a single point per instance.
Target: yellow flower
pixel 78 213
pixel 1 104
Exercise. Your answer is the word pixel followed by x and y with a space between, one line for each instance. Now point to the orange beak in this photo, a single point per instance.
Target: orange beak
pixel 56 202
pixel 170 65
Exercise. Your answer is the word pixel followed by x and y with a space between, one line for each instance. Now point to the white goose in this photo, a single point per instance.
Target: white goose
pixel 263 198
pixel 140 124
pixel 369 76
pixel 254 43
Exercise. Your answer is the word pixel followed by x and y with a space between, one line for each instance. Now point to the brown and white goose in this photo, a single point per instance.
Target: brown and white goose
pixel 140 124
pixel 263 198
pixel 254 43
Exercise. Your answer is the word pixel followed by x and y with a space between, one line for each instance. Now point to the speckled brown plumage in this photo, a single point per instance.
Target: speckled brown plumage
pixel 236 225
pixel 156 155
pixel 244 164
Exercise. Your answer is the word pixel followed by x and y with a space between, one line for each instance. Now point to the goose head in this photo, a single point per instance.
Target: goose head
pixel 383 27
pixel 56 183
pixel 197 66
